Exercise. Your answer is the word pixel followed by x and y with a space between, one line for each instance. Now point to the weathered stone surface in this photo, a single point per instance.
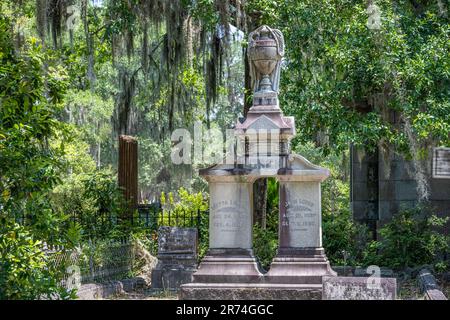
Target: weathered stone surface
pixel 299 266
pixel 128 171
pixel 301 221
pixel 177 257
pixel 176 241
pixel 134 284
pixel 396 185
pixel 230 224
pixel 230 259
pixel 265 51
pixel 441 190
pixel 429 287
pixel 228 266
pixel 226 291
pixel 344 271
pixel 359 288
pixel 94 291
pixel 170 279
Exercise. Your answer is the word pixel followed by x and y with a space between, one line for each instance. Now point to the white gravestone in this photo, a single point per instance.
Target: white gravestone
pixel 230 224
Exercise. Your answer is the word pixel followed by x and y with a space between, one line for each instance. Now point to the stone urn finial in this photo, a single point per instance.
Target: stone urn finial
pixel 265 51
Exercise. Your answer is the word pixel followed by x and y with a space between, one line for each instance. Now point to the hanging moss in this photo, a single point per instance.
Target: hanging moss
pixel 173 36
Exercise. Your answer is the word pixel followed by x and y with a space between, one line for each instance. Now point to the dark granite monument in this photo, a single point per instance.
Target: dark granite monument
pixel 383 182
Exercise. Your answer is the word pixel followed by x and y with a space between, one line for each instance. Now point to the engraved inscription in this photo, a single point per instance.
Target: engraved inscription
pixel 177 240
pixel 228 215
pixel 300 215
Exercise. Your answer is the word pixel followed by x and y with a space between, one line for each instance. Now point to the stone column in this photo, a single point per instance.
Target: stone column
pixel 128 171
pixel 230 220
pixel 300 215
pixel 300 258
pixel 230 256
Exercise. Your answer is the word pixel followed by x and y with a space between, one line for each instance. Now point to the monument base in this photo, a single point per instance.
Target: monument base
pixel 170 278
pixel 246 291
pixel 228 266
pixel 299 266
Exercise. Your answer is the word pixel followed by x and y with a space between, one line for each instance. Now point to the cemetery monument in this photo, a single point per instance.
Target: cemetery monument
pixel 230 270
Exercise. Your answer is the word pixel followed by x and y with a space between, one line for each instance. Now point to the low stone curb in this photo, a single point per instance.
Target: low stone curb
pixel 429 287
pixel 93 291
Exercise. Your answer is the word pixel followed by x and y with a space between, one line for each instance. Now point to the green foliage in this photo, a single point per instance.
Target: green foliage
pixel 30 98
pixel 342 78
pixel 188 204
pixel 341 81
pixel 94 201
pixel 265 244
pixel 412 238
pixel 107 256
pixel 265 240
pixel 272 194
pixel 24 270
pixel 344 240
pixel 91 113
pixel 185 204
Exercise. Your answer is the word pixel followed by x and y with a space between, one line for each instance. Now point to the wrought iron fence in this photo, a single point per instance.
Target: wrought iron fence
pixel 93 262
pixel 153 217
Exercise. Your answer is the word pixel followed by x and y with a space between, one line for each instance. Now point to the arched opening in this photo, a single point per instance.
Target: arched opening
pixel 265 235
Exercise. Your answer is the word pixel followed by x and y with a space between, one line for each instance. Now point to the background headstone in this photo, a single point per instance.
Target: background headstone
pixel 177 257
pixel 359 288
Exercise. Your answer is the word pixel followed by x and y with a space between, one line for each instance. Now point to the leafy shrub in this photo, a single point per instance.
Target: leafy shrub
pixel 91 203
pixel 30 99
pixel 411 239
pixel 24 269
pixel 185 202
pixel 343 239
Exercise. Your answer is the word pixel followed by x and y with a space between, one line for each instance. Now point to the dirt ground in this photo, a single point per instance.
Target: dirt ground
pixel 409 290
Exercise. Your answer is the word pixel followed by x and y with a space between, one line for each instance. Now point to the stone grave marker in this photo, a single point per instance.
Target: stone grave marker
pixel 177 257
pixel 359 288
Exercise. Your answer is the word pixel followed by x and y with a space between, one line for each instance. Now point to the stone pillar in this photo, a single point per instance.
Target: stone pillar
pixel 230 256
pixel 128 170
pixel 300 258
pixel 300 215
pixel 230 220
